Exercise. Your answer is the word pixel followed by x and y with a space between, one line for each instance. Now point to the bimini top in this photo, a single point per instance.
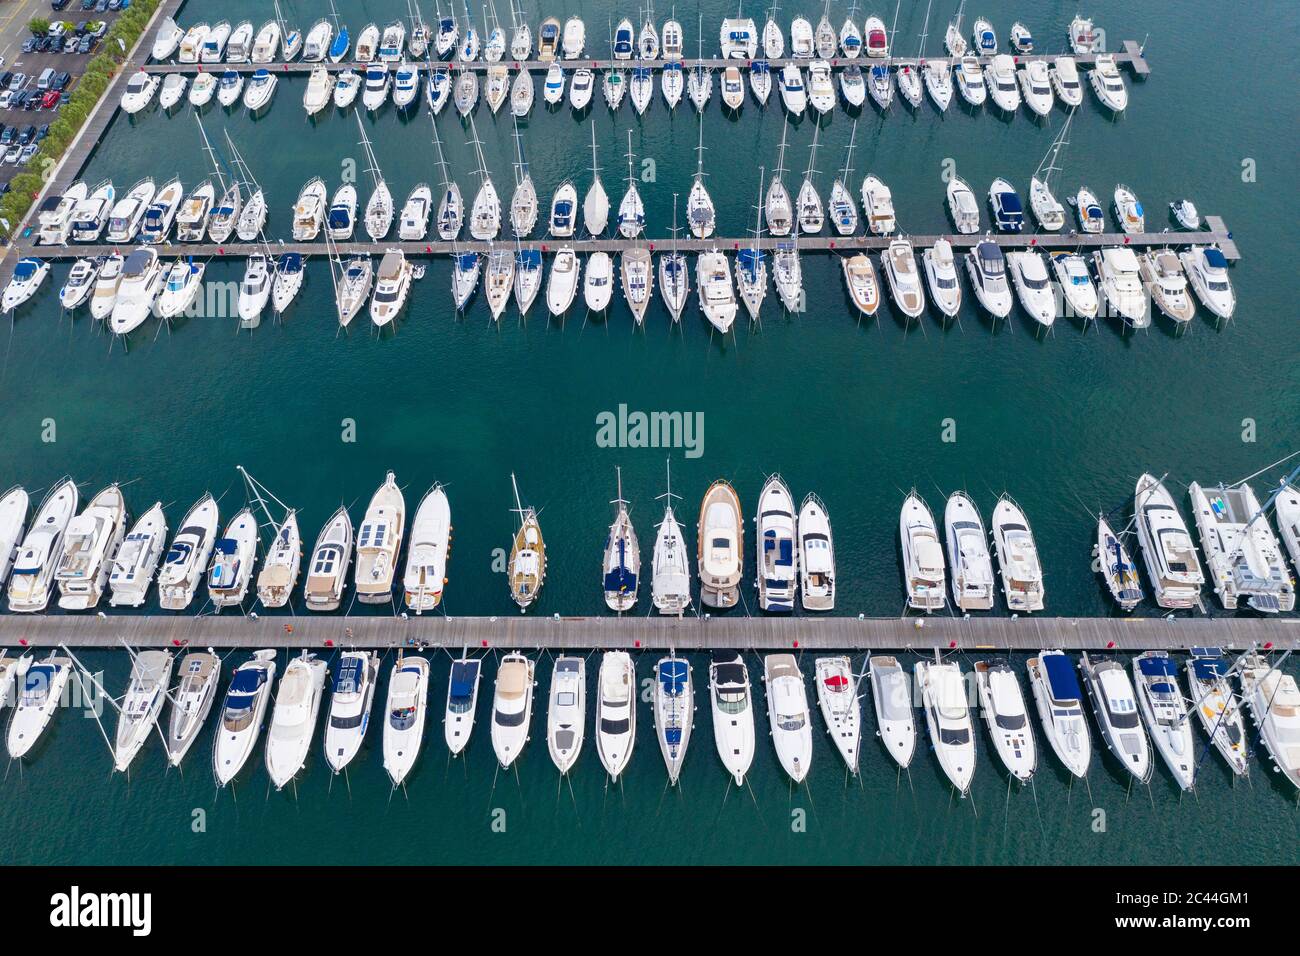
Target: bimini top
pixel 467 260
pixel 1214 258
pixel 529 258
pixel 991 258
pixel 732 673
pixel 1209 668
pixel 463 675
pixel 1061 677
pixel 26 268
pixel 247 680
pixel 290 262
pixel 672 677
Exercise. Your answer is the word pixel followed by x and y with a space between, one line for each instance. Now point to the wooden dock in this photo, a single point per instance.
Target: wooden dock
pixel 1217 233
pixel 1130 55
pixel 688 634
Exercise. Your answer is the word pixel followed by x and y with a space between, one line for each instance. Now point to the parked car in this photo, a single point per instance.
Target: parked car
pixel 100 29
pixel 12 155
pixel 43 132
pixel 61 81
pixel 70 44
pixel 30 44
pixel 58 4
pixel 8 135
pixel 27 135
pixel 50 100
pixel 26 155
pixel 17 81
pixel 88 4
pixel 86 45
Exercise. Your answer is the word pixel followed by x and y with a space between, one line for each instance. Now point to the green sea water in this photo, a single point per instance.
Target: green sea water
pixel 857 412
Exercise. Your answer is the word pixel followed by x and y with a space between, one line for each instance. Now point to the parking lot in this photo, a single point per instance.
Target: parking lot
pixel 38 74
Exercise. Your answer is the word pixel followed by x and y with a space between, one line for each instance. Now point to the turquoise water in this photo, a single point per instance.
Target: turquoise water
pixel 853 411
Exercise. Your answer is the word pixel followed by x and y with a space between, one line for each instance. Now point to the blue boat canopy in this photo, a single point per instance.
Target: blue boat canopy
pixel 1214 258
pixel 340 218
pixel 1061 677
pixel 38 677
pixel 291 262
pixel 247 680
pixel 467 260
pixel 672 676
pixel 1209 668
pixel 463 675
pixel 529 258
pixel 348 678
pixel 1157 667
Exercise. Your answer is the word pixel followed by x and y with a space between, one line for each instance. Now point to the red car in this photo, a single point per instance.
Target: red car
pixel 50 99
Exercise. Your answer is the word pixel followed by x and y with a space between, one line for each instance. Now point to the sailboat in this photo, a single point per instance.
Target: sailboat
pixel 700 214
pixel 1047 210
pixel 751 264
pixel 843 208
pixel 379 208
pixel 631 211
pixel 670 581
pixel 674 280
pixel 699 86
pixel 777 208
pixel 909 77
pixel 638 280
pixel 527 565
pixel 485 214
pixel 622 563
pixel 953 39
pixel 523 205
pixel 595 207
pixel 811 215
pixel 283 561
pixel 451 208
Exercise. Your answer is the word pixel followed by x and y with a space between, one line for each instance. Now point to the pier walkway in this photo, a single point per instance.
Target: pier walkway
pixel 686 634
pixel 1215 233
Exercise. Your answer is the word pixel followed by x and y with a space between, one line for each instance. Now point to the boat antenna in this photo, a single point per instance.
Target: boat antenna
pixel 521 168
pixel 374 169
pixel 780 156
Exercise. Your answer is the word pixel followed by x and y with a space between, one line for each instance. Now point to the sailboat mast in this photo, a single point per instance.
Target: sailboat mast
pixel 519 508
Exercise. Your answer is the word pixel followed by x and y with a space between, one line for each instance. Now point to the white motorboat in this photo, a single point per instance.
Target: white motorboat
pixel 282 564
pixel 837 696
pixel 240 44
pixel 716 293
pixel 180 288
pixel 406 87
pixel 732 88
pixel 616 712
pixel 947 715
pixel 788 716
pixel 91 214
pixel 1161 702
pixel 566 712
pixel 55 214
pixel 368 43
pixel 288 280
pixel 970 80
pixel 392 285
pixel 581 87
pixel 821 87
pixel 1172 565
pixel 564 204
pixel 1107 83
pixel 574 39
pixel 853 86
pixel 213 48
pixel 672 39
pixel 1036 87
pixel 230 87
pixel 623 43
pixel 512 707
pixel 141 705
pixel 13 520
pixel 720 546
pixel 1185 212
pixel 75 292
pixel 351 699
pixel 1273 700
pixel 375 86
pixel 316 41
pixel 794 95
pixel 199 674
pixel 802 41
pixel 341 219
pixel 191 44
pixel 860 277
pixel 309 211
pixel 963 207
pixel 816 558
pixel 36 703
pixel 972 567
pixel 90 544
pixel 260 91
pixel 732 702
pixel 986 268
pixel 104 296
pixel 1242 555
pixel 941 276
pixel 29 275
pixel 462 701
pixel 408 691
pixel 379 539
pixel 899 263
pixel 346 88
pixel 1114 705
pixel 1003 705
pixel 327 569
pixel 242 715
pixel 1217 706
pixel 266 43
pixel 142 279
pixel 167 40
pixel 562 284
pixel 187 558
pixel 392 43
pixel 1000 78
pixel 1207 271
pixel 1064 76
pixel 1033 285
pixel 293 719
pixel 923 569
pixel 878 205
pixel 1116 567
pixel 1075 281
pixel 233 557
pixel 891 695
pixel 850 40
pixel 1059 701
pixel 1166 283
pixel 1018 561
pixel 983 40
pixel 1083 37
pixel 1128 210
pixel 527 565
pixel 425 576
pixel 255 290
pixel 776 543
pixel 553 85
pixel 1120 278
pixel 139 92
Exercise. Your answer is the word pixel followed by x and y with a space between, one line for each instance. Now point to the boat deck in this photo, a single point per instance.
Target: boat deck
pixel 691 633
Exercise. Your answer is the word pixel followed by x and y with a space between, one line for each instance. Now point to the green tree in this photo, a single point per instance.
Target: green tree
pixel 39 26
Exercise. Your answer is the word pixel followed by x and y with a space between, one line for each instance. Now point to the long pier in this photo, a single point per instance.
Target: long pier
pixel 1131 55
pixel 642 632
pixel 1216 234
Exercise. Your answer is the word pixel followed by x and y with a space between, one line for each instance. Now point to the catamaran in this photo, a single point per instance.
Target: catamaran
pixel 141 705
pixel 512 707
pixel 1242 554
pixel 352 696
pixel 732 702
pixel 1003 705
pixel 837 695
pixel 241 716
pixel 566 712
pixel 408 691
pixel 1059 700
pixel 293 719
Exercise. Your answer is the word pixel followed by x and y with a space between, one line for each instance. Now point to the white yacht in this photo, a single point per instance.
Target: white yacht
pixel 31 582
pixel 1207 270
pixel 1002 703
pixel 1165 711
pixel 621 567
pixel 309 211
pixel 90 545
pixel 564 204
pixel 891 695
pixel 801 39
pixel 738 39
pixel 319 91
pixel 674 712
pixel 983 40
pixel 392 285
pixel 1172 566
pixel 1114 704
pixel 327 569
pixel 972 567
pixel 581 87
pixel 199 675
pixel 346 87
pixel 202 89
pixel 28 276
pixel 351 699
pixel 213 48
pixel 670 578
pixel 191 43
pixel 986 267
pixel 1116 567
pixel 180 287
pixel 139 92
pixel 674 282
pixel 566 711
pixel 1166 283
pixel 375 86
pixel 1000 78
pixel 970 80
pixel 1018 562
pixel 562 284
pixel 255 289
pixel 616 712
pixel 358 273
pixel 1273 700
pixel 1064 74
pixel 379 211
pixel 963 207
pixel 860 277
pixel 1033 285
pixel 37 702
pixel 233 557
pixel 282 564
pixel 55 214
pixel 13 520
pixel 141 706
pixel 240 44
pixel 598 283
pixel 1128 210
pixel 166 41
pixel 1286 506
pixel 853 86
pixel 672 39
pixel 837 695
pixel 899 264
pixel 408 690
pixel 923 570
pixel 720 546
pixel 252 218
pixel 1036 87
pixel 878 204
pixel 462 701
pixel 230 87
pixel 187 558
pixel 1059 700
pixel 1120 277
pixel 941 276
pixel 500 280
pixel 716 292
pixel 574 39
pixel 673 83
pixel 794 95
pixel 521 41
pixel 1075 280
pixel 787 711
pixel 425 576
pixel 732 702
pixel 379 540
pixel 816 556
pixel 732 88
pixel 1083 37
pixel 260 91
pixel 512 707
pixel 266 42
pixel 1242 554
pixel 293 719
pixel 1092 219
pixel 91 214
pixel 242 715
pixel 1108 84
pixel 1185 212
pixel 947 715
pixel 777 547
